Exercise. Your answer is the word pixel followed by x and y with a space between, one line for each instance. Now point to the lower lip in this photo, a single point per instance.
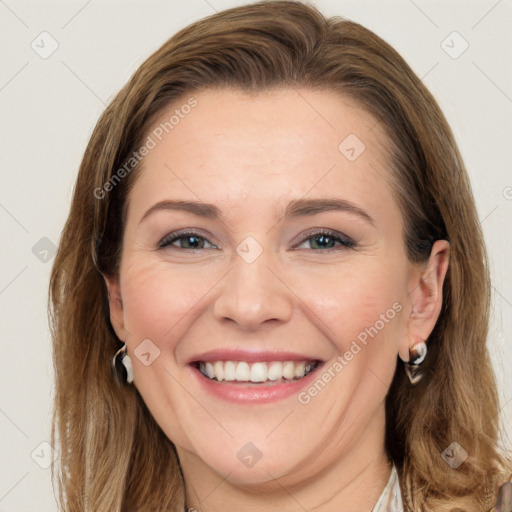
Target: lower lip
pixel 244 392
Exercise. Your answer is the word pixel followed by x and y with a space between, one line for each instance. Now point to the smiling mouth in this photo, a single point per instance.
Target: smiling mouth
pixel 242 372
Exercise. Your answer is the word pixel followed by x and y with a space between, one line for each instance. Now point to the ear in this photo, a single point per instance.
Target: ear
pixel 116 306
pixel 426 297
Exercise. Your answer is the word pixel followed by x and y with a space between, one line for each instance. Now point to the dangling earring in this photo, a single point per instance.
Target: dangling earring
pixel 412 367
pixel 122 365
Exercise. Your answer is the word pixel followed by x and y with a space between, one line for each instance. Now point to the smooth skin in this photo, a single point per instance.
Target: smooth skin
pixel 250 155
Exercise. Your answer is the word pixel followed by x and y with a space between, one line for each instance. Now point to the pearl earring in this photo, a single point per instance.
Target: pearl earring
pixel 416 357
pixel 122 365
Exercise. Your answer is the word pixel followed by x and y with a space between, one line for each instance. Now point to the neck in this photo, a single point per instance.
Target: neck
pixel 352 482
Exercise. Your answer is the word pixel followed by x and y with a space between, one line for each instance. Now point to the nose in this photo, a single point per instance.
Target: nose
pixel 253 294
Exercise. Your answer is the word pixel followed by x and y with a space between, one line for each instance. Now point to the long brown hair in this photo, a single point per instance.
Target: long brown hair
pixel 113 455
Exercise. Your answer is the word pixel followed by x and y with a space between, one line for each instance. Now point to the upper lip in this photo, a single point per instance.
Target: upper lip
pixel 249 356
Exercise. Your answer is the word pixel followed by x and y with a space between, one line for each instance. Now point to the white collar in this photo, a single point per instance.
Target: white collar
pixel 390 500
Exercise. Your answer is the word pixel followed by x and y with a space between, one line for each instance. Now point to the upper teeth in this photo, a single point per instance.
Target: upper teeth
pixel 255 372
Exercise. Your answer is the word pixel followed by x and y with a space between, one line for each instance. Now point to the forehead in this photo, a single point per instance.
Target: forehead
pixel 232 145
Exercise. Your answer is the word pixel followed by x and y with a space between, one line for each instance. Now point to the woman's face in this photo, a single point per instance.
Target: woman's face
pixel 262 231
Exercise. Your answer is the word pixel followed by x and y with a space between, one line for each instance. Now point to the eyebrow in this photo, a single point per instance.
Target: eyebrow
pixel 295 208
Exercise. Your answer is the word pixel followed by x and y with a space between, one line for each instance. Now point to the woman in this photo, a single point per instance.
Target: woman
pixel 269 218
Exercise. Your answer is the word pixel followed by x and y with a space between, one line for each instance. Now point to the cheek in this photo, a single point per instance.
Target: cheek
pixel 362 311
pixel 356 297
pixel 157 300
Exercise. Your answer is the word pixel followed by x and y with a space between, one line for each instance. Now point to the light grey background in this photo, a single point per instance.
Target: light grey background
pixel 49 107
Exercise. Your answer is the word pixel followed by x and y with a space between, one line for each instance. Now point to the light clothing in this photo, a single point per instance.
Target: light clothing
pixel 391 499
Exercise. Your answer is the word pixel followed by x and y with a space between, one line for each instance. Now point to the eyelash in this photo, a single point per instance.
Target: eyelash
pixel 344 241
